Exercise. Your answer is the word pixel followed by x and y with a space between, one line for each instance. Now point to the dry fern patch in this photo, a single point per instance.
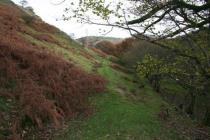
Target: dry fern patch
pixel 45 89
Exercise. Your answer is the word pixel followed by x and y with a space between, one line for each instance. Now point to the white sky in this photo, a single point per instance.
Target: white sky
pixel 49 13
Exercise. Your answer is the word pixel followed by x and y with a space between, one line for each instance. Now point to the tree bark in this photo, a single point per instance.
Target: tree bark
pixel 190 109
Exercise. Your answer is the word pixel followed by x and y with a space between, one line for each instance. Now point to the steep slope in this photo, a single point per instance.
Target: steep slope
pixel 38 87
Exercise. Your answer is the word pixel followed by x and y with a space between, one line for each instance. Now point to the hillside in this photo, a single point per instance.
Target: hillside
pixel 92 40
pixel 42 82
pixel 51 87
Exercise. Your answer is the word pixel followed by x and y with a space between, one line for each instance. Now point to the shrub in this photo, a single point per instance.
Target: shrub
pixel 28 19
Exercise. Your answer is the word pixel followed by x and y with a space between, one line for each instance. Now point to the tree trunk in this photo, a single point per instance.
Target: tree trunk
pixel 155 82
pixel 190 109
pixel 207 97
pixel 207 117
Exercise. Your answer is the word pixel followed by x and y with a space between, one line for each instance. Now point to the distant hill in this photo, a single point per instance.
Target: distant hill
pixel 92 40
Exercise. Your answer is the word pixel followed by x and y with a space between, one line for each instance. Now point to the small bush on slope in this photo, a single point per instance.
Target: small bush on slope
pixel 45 88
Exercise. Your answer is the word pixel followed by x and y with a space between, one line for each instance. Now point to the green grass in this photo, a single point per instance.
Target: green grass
pixel 115 78
pixel 69 51
pixel 118 117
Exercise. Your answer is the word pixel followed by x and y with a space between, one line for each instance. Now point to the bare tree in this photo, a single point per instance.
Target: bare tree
pixel 23 3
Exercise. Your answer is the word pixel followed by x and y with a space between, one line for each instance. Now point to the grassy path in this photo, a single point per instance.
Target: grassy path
pixel 131 115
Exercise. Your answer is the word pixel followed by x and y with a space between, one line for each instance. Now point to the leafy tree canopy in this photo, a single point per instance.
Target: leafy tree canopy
pixel 141 17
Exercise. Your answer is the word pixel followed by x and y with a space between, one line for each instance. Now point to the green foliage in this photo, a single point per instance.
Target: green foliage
pixel 152 68
pixel 187 65
pixel 149 66
pixel 152 65
pixel 99 8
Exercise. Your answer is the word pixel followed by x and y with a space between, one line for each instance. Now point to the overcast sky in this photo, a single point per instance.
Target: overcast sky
pixel 50 12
